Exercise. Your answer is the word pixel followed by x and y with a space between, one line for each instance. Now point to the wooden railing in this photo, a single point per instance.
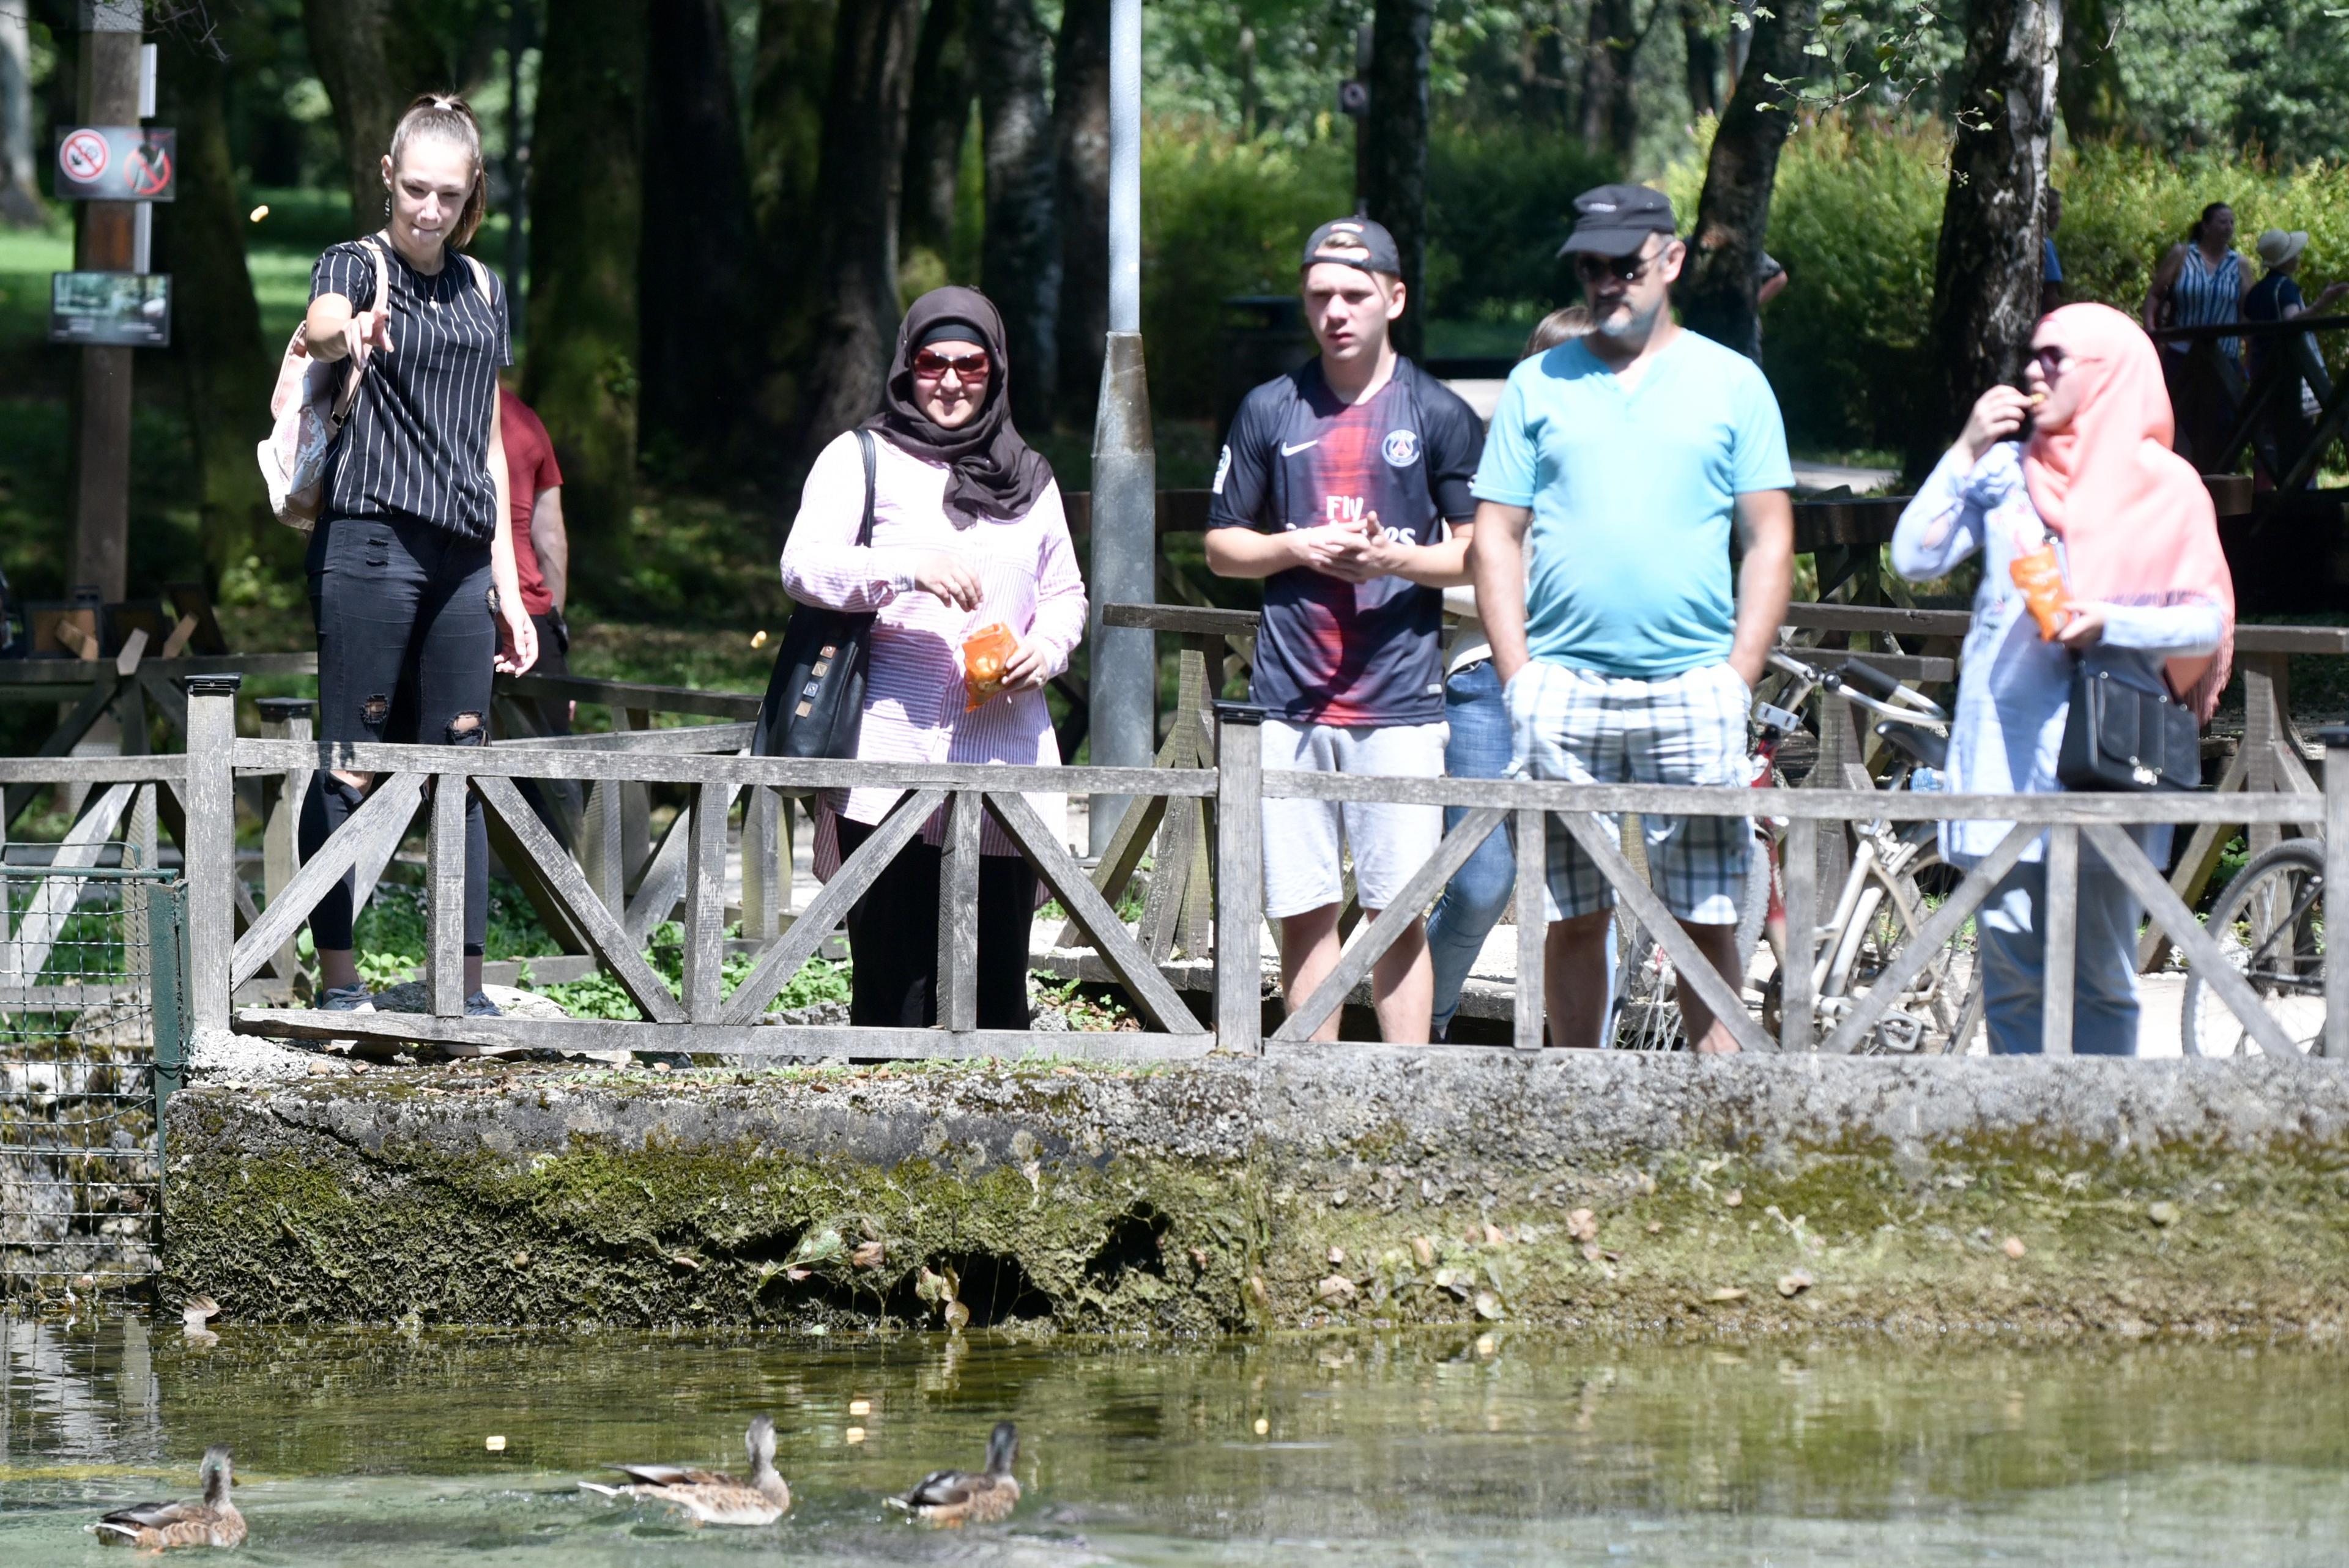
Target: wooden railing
pixel 2260 413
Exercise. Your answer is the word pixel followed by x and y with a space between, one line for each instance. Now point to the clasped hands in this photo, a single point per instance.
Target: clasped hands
pixel 1350 551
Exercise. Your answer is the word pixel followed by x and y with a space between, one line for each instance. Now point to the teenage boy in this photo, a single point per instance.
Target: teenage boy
pixel 1629 453
pixel 1336 486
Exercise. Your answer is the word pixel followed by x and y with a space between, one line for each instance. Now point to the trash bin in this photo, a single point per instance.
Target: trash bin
pixel 1261 336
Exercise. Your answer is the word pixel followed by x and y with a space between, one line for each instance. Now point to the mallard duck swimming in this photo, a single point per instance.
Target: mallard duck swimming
pixel 711 1498
pixel 963 1497
pixel 213 1521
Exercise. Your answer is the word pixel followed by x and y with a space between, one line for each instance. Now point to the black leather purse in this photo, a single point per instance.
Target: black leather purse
pixel 815 700
pixel 2123 735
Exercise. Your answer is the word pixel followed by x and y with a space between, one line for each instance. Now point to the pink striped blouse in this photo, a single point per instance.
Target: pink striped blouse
pixel 1027 574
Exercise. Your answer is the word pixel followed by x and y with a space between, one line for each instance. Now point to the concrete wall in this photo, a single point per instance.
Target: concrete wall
pixel 1344 1185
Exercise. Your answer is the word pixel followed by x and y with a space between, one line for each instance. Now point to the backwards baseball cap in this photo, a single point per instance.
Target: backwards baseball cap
pixel 1616 220
pixel 1365 245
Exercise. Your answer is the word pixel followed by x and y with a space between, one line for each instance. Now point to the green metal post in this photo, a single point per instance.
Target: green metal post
pixel 169 1016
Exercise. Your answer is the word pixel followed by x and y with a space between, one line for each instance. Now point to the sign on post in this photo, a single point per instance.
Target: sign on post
pixel 129 309
pixel 116 163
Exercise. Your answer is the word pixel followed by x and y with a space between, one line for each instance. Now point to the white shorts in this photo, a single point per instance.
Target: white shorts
pixel 1390 842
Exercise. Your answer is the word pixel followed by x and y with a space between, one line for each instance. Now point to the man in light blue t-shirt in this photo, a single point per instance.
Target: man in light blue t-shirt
pixel 1628 455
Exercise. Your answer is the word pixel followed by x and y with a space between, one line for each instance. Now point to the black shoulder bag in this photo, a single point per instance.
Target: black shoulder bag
pixel 2121 736
pixel 816 698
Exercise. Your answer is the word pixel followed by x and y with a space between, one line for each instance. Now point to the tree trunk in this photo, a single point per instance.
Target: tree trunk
pixel 1986 270
pixel 20 205
pixel 1701 55
pixel 1732 214
pixel 586 202
pixel 789 81
pixel 935 125
pixel 1543 72
pixel 1080 142
pixel 855 295
pixel 373 58
pixel 1610 115
pixel 2096 107
pixel 1395 168
pixel 695 185
pixel 1019 265
pixel 224 366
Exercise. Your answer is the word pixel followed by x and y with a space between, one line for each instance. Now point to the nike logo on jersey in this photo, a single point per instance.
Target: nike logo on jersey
pixel 1288 452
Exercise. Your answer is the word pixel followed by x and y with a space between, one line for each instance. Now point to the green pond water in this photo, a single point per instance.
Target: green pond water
pixel 1422 1448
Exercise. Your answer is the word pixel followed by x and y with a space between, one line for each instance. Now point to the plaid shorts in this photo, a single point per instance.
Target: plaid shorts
pixel 1590 729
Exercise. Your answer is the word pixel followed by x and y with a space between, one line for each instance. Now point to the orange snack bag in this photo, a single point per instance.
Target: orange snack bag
pixel 2041 578
pixel 984 654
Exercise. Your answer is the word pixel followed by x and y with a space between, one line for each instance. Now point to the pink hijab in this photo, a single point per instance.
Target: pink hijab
pixel 2137 524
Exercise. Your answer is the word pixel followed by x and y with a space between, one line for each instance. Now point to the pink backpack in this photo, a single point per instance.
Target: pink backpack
pixel 306 412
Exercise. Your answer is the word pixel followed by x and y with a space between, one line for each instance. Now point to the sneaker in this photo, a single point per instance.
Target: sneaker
pixel 479 1006
pixel 347 999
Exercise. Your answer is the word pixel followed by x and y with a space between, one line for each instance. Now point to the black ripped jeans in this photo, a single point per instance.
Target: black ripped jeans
pixel 406 641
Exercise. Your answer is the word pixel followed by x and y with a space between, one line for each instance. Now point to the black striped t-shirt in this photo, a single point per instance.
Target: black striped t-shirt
pixel 416 445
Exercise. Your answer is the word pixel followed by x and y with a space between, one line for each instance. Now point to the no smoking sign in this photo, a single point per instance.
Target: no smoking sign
pixel 116 163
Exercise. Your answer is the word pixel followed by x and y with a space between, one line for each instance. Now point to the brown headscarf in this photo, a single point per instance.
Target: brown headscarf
pixel 994 472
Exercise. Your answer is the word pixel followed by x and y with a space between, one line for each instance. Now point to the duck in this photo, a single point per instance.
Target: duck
pixel 948 1498
pixel 211 1521
pixel 708 1497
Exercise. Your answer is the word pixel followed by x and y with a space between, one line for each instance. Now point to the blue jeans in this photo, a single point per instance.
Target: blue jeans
pixel 2103 969
pixel 1479 891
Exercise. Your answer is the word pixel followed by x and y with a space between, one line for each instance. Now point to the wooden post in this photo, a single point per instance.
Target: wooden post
pixel 444 874
pixel 600 854
pixel 210 844
pixel 2058 915
pixel 1239 878
pixel 766 862
pixel 705 900
pixel 2334 1042
pixel 958 983
pixel 1533 929
pixel 636 806
pixel 283 718
pixel 1797 998
pixel 109 95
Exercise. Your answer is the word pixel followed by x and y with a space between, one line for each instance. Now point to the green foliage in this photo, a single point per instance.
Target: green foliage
pixel 2228 73
pixel 1857 217
pixel 1224 217
pixel 1500 201
pixel 598 995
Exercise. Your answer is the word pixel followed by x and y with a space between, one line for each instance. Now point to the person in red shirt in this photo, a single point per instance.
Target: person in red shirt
pixel 542 549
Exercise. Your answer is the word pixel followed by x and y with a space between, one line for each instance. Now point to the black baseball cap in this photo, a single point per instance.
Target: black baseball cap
pixel 1616 220
pixel 1376 247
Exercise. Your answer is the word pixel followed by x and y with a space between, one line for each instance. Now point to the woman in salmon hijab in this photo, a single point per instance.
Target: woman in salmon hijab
pixel 2147 588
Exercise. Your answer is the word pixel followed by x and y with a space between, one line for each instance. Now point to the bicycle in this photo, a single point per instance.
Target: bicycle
pixel 2270 923
pixel 1895 874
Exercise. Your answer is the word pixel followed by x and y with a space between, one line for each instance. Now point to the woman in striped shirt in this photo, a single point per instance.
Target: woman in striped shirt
pixel 412 582
pixel 2201 283
pixel 968 532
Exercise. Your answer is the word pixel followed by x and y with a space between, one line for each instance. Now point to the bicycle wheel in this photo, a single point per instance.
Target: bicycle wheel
pixel 1646 985
pixel 1892 909
pixel 2270 924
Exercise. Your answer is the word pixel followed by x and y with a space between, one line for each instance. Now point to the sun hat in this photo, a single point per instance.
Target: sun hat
pixel 2280 248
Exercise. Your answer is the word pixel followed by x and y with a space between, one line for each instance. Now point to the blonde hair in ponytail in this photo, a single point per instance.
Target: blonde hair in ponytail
pixel 445 116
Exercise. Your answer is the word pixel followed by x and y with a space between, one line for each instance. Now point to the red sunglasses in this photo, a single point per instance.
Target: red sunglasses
pixel 930 364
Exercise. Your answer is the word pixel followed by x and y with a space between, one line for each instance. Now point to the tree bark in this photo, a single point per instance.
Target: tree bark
pixel 224 366
pixel 1701 57
pixel 1986 270
pixel 789 82
pixel 1732 214
pixel 1019 265
pixel 854 292
pixel 1081 143
pixel 20 205
pixel 695 238
pixel 586 203
pixel 373 58
pixel 936 126
pixel 1396 166
pixel 1610 114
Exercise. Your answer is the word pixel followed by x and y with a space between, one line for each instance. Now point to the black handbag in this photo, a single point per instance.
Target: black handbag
pixel 2122 735
pixel 815 700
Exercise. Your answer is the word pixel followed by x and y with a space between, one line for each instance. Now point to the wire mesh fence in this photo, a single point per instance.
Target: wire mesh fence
pixel 91 941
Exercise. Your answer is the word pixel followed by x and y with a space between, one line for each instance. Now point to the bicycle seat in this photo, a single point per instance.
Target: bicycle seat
pixel 1921 747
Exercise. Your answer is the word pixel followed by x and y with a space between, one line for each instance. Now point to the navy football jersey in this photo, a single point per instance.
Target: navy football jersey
pixel 1332 651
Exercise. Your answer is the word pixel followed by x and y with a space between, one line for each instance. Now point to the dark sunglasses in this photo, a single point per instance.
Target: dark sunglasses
pixel 1623 269
pixel 2052 361
pixel 930 363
